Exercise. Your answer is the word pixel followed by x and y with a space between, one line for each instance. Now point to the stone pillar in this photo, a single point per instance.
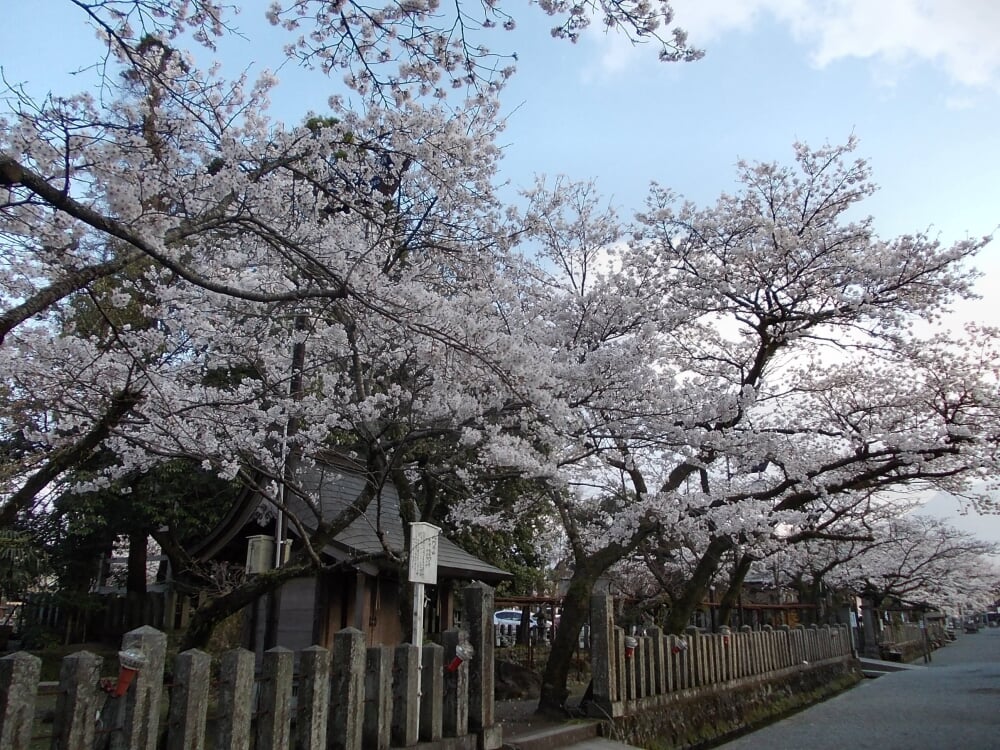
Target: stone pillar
pixel 783 648
pixel 648 667
pixel 658 661
pixel 602 659
pixel 189 701
pixel 694 656
pixel 347 691
pixel 375 734
pixel 682 679
pixel 313 701
pixel 432 687
pixel 456 688
pixel 77 703
pixel 478 602
pixel 138 714
pixel 672 653
pixel 712 642
pixel 405 716
pixel 639 656
pixel 684 661
pixel 19 675
pixel 630 663
pixel 707 657
pixel 235 692
pixel 727 647
pixel 618 660
pixel 758 650
pixel 275 704
pixel 767 648
pixel 869 617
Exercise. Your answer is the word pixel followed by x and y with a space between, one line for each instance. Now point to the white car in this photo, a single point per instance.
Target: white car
pixel 510 620
pixel 512 617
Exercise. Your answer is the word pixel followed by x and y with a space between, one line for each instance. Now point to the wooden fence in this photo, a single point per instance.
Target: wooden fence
pixel 346 698
pixel 628 670
pixel 102 617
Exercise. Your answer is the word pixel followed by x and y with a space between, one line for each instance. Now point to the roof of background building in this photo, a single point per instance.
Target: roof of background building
pixel 339 483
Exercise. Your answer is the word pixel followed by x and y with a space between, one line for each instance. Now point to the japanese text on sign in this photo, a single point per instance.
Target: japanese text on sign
pixel 423 553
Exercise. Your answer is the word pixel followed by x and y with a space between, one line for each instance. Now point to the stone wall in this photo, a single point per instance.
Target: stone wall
pixel 702 717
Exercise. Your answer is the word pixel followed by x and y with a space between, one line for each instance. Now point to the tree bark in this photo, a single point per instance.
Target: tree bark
pixel 732 594
pixel 68 457
pixel 696 588
pixel 205 618
pixel 575 613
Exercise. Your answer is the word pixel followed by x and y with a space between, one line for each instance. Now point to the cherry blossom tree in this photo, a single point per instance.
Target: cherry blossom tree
pixel 694 381
pixel 292 287
pixel 731 370
pixel 910 558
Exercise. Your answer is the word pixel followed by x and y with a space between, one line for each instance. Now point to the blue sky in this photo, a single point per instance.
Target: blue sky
pixel 918 81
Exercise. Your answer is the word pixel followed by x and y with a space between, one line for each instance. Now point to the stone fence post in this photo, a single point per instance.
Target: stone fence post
pixel 235 697
pixel 19 675
pixel 456 687
pixel 378 698
pixel 405 717
pixel 78 702
pixel 274 716
pixel 347 691
pixel 603 658
pixel 432 686
pixel 189 701
pixel 478 606
pixel 138 715
pixel 313 700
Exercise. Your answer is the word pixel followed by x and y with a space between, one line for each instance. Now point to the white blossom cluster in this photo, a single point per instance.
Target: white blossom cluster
pixel 180 276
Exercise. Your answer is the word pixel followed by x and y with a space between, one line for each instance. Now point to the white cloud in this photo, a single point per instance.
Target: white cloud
pixel 615 54
pixel 958 36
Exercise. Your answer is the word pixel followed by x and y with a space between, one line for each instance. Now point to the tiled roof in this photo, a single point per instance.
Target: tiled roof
pixel 339 485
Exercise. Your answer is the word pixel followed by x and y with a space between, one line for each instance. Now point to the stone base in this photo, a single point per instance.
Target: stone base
pixel 699 716
pixel 491 738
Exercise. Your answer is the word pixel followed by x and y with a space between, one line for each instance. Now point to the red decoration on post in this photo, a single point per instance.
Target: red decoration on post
pixel 463 652
pixel 630 644
pixel 131 663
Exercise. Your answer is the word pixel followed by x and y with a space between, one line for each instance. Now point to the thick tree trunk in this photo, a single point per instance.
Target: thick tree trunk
pixel 575 613
pixel 811 593
pixel 206 617
pixel 696 588
pixel 732 595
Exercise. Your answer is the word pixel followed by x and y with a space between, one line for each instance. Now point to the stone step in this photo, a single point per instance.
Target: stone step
pixel 575 736
pixel 548 738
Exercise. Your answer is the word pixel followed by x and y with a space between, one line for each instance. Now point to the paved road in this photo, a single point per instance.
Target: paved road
pixel 953 704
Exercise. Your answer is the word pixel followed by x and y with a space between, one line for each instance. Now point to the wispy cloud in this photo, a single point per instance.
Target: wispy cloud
pixel 957 36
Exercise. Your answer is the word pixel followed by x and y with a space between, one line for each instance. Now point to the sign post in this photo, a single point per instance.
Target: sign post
pixel 423 570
